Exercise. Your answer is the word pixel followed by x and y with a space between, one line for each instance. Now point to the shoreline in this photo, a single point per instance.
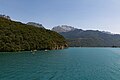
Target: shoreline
pixel 32 51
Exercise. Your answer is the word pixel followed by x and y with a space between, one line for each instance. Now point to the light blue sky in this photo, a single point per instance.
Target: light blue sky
pixel 83 14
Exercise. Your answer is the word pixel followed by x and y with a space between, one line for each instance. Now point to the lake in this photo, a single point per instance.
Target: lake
pixel 67 64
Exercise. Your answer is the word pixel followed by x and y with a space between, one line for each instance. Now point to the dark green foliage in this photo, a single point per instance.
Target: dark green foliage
pixel 16 36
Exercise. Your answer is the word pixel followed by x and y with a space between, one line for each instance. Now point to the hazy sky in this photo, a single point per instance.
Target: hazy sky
pixel 83 14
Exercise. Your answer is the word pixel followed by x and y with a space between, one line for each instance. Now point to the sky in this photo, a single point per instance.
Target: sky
pixel 101 15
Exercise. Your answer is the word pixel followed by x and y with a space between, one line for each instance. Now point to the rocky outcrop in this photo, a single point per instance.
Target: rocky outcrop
pixel 5 16
pixel 35 24
pixel 57 47
pixel 63 28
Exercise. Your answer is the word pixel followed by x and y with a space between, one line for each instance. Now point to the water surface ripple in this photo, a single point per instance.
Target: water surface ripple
pixel 67 64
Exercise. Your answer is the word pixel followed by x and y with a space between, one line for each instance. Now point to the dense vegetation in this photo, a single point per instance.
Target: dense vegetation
pixel 91 38
pixel 16 36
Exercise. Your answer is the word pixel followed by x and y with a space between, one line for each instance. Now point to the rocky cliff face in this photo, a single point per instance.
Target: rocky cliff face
pixel 57 47
pixel 63 28
pixel 35 24
pixel 5 16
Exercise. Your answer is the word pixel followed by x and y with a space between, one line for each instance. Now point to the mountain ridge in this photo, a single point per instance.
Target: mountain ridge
pixel 16 36
pixel 35 24
pixel 91 38
pixel 63 28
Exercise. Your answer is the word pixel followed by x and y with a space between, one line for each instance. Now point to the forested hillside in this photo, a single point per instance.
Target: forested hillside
pixel 16 36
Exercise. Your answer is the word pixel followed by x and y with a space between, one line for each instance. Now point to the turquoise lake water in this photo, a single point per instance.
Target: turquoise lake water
pixel 67 64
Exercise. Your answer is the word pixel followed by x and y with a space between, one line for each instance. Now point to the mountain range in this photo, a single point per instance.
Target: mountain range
pixel 88 38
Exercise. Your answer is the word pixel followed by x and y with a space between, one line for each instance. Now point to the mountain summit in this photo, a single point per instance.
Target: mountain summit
pixel 88 38
pixel 63 28
pixel 5 16
pixel 35 24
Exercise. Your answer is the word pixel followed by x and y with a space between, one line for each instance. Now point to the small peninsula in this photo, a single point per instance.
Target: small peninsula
pixel 17 36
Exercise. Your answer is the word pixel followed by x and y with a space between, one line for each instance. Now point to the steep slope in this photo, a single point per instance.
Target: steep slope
pixel 16 36
pixel 91 38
